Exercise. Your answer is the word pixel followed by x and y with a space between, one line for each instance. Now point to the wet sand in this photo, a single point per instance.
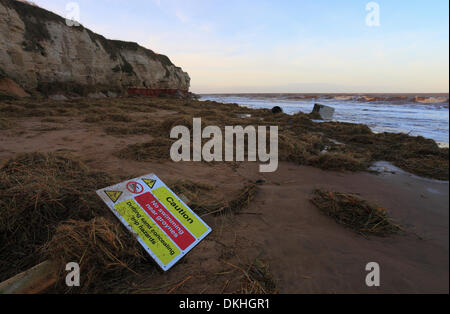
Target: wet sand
pixel 307 251
pixel 310 253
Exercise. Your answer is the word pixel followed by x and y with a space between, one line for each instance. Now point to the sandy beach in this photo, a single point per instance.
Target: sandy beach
pixel 300 249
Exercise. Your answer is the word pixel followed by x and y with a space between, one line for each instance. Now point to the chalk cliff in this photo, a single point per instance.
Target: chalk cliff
pixel 41 52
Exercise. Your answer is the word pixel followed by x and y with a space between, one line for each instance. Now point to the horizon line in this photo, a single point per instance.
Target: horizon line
pixel 325 93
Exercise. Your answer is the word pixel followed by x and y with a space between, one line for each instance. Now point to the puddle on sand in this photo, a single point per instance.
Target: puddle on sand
pixel 387 168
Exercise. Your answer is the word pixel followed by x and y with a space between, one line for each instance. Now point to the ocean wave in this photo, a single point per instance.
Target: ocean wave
pixel 432 100
pixel 416 114
pixel 386 99
pixel 441 99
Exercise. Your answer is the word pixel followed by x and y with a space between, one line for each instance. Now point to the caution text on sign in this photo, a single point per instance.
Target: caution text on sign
pixel 163 224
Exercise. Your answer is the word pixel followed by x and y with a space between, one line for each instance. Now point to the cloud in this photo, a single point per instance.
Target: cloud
pixel 181 16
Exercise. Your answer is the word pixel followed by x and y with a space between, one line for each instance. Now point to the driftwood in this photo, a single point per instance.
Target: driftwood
pixel 32 281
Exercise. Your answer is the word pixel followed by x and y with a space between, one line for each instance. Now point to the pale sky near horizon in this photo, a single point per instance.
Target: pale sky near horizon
pixel 238 46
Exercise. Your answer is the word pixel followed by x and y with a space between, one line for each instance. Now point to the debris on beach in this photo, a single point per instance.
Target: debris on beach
pixel 45 185
pixel 355 213
pixel 322 112
pixel 157 149
pixel 37 192
pixel 256 278
pixel 277 109
pixel 32 281
pixel 415 154
pixel 105 251
pixel 338 162
pixel 49 213
pixel 205 205
pixel 300 139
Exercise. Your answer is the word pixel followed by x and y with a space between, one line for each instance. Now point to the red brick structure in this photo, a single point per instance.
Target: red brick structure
pixel 154 91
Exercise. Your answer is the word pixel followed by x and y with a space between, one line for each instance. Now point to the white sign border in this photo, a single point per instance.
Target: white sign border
pixel 159 183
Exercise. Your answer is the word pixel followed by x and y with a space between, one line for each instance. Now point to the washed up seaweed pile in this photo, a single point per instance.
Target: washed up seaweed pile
pixel 355 213
pixel 301 140
pixel 414 154
pixel 156 149
pixel 37 191
pixel 258 280
pixel 255 278
pixel 199 200
pixel 49 209
pixel 107 254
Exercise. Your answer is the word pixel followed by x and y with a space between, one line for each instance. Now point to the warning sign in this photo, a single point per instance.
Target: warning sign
pixel 134 187
pixel 149 182
pixel 147 230
pixel 113 195
pixel 176 207
pixel 165 220
pixel 163 224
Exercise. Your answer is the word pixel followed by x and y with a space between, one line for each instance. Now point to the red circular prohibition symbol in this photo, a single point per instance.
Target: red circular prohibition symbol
pixel 135 187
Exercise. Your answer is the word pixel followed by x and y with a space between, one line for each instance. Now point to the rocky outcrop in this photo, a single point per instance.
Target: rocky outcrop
pixel 41 52
pixel 9 87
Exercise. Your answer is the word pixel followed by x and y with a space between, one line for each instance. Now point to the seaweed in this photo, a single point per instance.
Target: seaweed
pixel 157 149
pixel 355 213
pixel 106 252
pixel 37 192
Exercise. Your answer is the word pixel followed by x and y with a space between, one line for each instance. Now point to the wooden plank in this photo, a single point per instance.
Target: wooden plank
pixel 32 281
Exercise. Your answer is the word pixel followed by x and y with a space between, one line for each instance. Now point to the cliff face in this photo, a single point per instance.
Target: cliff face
pixel 40 52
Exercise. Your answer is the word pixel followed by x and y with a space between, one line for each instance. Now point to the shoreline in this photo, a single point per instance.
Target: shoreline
pixel 332 94
pixel 395 113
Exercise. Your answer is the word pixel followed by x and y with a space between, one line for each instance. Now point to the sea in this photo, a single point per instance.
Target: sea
pixel 424 115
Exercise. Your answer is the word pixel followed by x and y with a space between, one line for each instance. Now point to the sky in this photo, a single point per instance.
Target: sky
pixel 285 46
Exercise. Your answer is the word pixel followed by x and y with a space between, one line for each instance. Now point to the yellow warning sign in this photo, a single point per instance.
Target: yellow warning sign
pixel 183 214
pixel 160 244
pixel 162 223
pixel 149 182
pixel 113 195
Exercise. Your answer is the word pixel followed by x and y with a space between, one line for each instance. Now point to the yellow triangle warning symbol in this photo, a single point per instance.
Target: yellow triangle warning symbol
pixel 113 195
pixel 149 182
